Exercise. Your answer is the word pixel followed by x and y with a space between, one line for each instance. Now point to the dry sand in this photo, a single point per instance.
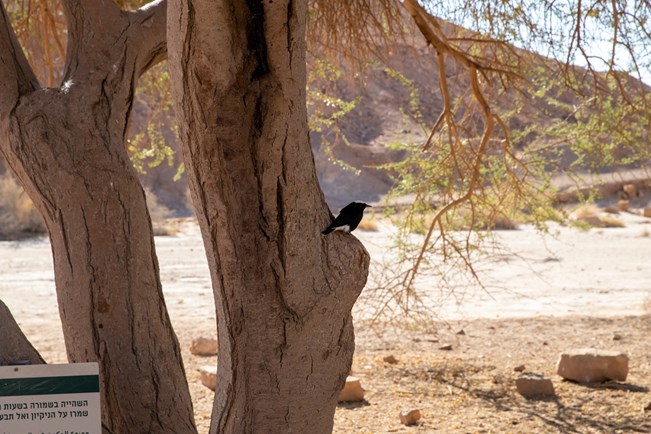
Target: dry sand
pixel 545 294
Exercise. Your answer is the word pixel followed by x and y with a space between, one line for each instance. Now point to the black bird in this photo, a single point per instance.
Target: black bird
pixel 348 218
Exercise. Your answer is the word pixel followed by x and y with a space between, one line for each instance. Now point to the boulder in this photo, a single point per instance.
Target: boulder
pixel 647 212
pixel 534 385
pixel 352 391
pixel 209 376
pixel 590 365
pixel 409 416
pixel 203 347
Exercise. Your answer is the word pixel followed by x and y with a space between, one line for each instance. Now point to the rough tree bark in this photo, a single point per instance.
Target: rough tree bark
pixel 283 292
pixel 67 146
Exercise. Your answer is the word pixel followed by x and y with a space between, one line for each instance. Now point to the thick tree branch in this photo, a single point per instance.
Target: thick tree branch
pixel 101 26
pixel 16 75
pixel 148 31
pixel 91 23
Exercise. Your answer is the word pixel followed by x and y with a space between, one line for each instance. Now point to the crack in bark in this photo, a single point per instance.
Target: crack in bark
pixel 256 38
pixel 66 241
pixel 290 14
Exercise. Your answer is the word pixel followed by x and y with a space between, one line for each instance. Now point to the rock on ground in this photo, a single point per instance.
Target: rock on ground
pixel 209 376
pixel 589 365
pixel 352 391
pixel 203 347
pixel 534 385
pixel 409 416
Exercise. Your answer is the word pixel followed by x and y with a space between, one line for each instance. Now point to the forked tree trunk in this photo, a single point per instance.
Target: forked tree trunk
pixel 283 291
pixel 66 145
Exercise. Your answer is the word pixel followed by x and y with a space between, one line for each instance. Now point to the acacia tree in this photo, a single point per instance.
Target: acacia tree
pixel 66 145
pixel 283 292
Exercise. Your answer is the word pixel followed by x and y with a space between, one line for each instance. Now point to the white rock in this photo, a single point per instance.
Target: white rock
pixel 209 376
pixel 203 347
pixel 352 391
pixel 530 385
pixel 589 365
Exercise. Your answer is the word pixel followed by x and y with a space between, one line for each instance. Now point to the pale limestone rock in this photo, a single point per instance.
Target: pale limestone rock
pixel 534 385
pixel 209 376
pixel 352 391
pixel 589 365
pixel 203 347
pixel 409 416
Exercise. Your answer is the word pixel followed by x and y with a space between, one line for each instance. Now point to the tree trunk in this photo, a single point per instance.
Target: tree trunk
pixel 283 292
pixel 66 145
pixel 14 346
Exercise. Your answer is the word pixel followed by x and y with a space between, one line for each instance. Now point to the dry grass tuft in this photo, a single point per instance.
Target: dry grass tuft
pixel 368 225
pixel 166 228
pixel 591 216
pixel 162 225
pixel 18 216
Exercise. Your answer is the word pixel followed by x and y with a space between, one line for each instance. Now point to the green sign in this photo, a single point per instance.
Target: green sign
pixel 50 399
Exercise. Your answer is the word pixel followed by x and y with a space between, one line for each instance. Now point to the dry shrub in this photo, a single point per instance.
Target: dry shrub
pixel 160 215
pixel 18 216
pixel 591 216
pixel 368 225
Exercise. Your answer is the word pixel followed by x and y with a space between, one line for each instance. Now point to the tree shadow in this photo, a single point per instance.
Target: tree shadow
pixel 351 405
pixel 613 385
pixel 564 416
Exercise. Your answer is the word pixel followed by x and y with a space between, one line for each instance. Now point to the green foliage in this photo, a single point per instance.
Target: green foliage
pixel 414 93
pixel 148 148
pixel 326 110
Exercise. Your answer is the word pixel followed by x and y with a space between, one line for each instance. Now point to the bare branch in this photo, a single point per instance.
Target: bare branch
pixel 474 182
pixel 16 75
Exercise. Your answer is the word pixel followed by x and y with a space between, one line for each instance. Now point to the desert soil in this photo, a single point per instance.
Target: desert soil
pixel 544 295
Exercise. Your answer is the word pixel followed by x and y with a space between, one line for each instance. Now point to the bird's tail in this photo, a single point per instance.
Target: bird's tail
pixel 327 230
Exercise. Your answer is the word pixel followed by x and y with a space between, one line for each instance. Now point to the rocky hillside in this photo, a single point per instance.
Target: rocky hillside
pixel 397 100
pixel 386 114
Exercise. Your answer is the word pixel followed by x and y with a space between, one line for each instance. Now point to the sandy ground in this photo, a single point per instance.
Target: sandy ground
pixel 570 289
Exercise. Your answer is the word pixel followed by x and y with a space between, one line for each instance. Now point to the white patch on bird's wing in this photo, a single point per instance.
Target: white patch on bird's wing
pixel 345 228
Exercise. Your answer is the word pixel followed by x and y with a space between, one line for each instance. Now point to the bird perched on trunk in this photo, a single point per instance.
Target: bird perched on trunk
pixel 348 218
